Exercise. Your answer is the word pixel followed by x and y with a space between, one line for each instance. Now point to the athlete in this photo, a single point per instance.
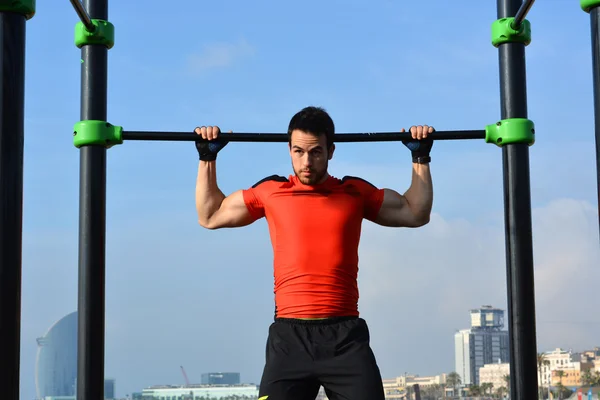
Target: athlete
pixel 314 219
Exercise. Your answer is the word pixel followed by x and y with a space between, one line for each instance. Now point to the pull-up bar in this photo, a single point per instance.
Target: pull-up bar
pixel 95 132
pixel 283 137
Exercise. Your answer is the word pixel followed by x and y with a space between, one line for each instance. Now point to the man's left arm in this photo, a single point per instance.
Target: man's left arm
pixel 413 209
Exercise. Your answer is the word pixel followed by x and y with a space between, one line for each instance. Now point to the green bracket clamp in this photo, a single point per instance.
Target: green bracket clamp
pixel 587 5
pixel 24 7
pixel 104 34
pixel 508 131
pixel 97 133
pixel 503 32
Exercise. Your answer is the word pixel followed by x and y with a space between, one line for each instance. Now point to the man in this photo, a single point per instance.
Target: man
pixel 314 221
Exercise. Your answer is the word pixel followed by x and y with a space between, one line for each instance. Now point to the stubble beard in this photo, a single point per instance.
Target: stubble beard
pixel 316 176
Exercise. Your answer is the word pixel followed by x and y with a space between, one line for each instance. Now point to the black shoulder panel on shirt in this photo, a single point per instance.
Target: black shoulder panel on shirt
pixel 347 178
pixel 276 178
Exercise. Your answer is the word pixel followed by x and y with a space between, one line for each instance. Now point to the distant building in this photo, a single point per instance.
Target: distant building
pixel 591 355
pixel 397 388
pixel 56 361
pixel 558 359
pixel 494 374
pixel 57 398
pixel 565 367
pixel 63 398
pixel 220 378
pixel 109 389
pixel 401 382
pixel 568 377
pixel 193 392
pixel 484 343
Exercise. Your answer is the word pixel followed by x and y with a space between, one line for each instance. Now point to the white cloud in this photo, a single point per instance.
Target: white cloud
pixel 418 285
pixel 218 55
pixel 567 260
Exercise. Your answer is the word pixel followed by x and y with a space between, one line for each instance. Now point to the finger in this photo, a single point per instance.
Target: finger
pixel 418 132
pixel 203 132
pixel 425 131
pixel 428 130
pixel 403 130
pixel 214 132
pixel 197 131
pixel 413 132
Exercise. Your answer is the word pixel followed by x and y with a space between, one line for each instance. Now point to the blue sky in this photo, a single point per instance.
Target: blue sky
pixel 181 295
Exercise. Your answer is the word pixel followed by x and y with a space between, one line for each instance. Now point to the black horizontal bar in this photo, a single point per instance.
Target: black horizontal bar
pixel 522 13
pixel 83 15
pixel 283 137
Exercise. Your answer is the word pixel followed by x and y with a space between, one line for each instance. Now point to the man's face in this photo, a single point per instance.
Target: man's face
pixel 310 157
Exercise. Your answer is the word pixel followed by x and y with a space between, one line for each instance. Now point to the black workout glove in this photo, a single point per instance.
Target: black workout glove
pixel 207 150
pixel 420 149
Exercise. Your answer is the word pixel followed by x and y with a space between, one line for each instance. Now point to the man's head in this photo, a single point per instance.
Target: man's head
pixel 311 144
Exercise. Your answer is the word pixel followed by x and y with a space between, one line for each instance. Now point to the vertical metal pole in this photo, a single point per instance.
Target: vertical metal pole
pixel 92 220
pixel 595 28
pixel 518 229
pixel 12 67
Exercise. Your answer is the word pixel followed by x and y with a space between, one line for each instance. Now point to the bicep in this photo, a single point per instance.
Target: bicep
pixel 232 213
pixel 395 211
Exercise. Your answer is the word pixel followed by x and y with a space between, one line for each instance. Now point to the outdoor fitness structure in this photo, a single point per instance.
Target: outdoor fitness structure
pixel 514 133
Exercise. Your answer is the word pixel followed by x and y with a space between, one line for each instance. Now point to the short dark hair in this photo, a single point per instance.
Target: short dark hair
pixel 313 120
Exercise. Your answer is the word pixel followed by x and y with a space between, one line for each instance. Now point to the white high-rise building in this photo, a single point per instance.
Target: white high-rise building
pixel 56 362
pixel 484 343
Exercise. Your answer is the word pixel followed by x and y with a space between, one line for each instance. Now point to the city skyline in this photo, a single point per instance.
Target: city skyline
pixel 495 374
pixel 64 330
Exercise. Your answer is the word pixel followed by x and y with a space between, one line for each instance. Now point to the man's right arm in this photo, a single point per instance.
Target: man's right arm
pixel 215 210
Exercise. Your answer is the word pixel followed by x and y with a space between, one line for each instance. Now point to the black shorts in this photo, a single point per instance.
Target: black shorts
pixel 303 355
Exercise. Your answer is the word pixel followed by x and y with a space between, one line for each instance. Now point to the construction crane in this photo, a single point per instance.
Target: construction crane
pixel 187 381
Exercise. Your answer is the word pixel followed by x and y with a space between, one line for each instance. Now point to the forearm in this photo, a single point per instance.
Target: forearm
pixel 420 193
pixel 208 195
